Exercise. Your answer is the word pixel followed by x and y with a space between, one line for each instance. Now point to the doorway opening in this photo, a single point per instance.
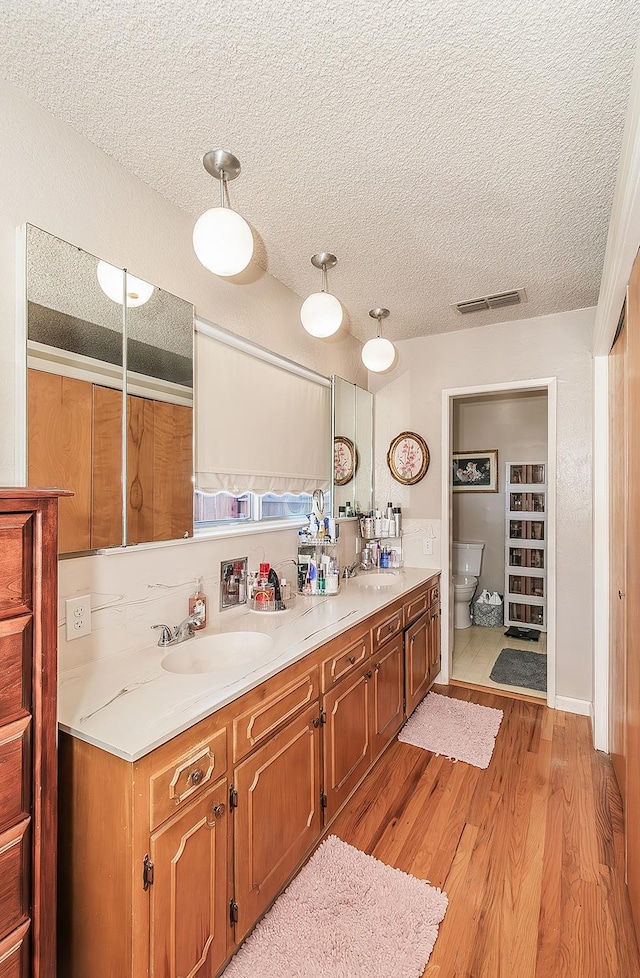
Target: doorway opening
pixel 512 513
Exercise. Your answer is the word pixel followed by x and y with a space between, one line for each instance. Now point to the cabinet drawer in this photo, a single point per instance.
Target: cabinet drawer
pixel 16 572
pixel 344 660
pixel 14 953
pixel 434 596
pixel 269 712
pixel 14 877
pixel 386 629
pixel 417 606
pixel 187 777
pixel 15 772
pixel 15 668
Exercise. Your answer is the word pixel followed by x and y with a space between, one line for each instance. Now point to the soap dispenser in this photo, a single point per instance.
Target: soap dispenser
pixel 198 604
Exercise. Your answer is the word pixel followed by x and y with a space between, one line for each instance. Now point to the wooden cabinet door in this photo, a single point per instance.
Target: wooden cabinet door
pixel 618 488
pixel 106 498
pixel 189 922
pixel 172 471
pixel 347 736
pixel 417 667
pixel 278 814
pixel 59 450
pixel 433 645
pixel 388 694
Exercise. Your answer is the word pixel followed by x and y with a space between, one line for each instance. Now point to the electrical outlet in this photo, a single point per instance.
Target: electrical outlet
pixel 427 546
pixel 78 616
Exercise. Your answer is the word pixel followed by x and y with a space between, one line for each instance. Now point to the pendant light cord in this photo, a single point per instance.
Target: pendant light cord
pixel 222 186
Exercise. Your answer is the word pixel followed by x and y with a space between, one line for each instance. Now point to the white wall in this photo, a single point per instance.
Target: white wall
pixel 411 398
pixel 56 179
pixel 515 425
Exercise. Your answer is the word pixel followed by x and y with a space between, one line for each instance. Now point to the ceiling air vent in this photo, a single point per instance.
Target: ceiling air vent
pixel 497 301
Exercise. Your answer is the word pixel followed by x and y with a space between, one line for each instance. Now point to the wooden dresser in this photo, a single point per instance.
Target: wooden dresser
pixel 28 731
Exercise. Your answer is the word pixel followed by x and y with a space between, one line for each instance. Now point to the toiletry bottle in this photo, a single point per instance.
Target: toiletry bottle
pixel 198 604
pixel 397 516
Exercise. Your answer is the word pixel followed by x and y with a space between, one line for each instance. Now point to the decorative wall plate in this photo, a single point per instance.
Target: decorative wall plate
pixel 345 460
pixel 408 458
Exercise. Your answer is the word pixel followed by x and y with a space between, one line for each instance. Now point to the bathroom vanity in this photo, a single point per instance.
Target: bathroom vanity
pixel 188 803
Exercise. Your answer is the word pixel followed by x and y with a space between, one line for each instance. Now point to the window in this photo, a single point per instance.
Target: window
pixel 215 508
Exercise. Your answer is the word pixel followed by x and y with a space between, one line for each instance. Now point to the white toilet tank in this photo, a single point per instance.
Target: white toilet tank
pixel 467 557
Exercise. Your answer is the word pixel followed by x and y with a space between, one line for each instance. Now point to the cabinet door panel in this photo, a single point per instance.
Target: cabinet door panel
pixel 15 867
pixel 416 654
pixel 15 772
pixel 433 646
pixel 278 815
pixel 189 921
pixel 347 736
pixel 388 694
pixel 14 954
pixel 172 468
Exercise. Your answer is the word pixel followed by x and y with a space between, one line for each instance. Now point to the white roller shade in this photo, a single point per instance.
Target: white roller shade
pixel 260 426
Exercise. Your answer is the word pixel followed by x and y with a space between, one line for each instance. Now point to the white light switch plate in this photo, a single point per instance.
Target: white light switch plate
pixel 427 546
pixel 78 616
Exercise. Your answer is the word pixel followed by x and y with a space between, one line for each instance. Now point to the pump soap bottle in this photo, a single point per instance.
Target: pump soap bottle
pixel 198 604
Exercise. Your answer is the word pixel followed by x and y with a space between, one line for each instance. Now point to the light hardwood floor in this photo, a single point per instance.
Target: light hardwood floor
pixel 529 851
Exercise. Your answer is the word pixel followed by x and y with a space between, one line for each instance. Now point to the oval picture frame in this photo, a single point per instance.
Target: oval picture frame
pixel 345 460
pixel 408 458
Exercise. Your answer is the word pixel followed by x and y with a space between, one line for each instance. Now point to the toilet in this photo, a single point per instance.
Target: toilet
pixel 467 561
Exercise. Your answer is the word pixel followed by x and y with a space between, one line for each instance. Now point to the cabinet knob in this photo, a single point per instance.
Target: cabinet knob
pixel 219 810
pixel 368 674
pixel 316 721
pixel 391 626
pixel 196 776
pixel 621 594
pixel 351 659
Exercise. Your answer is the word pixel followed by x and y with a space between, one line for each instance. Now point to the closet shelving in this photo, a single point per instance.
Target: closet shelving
pixel 525 562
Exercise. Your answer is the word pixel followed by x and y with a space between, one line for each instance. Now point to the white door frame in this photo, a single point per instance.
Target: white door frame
pixel 548 384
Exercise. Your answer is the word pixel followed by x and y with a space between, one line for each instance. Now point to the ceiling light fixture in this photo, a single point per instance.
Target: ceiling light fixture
pixel 321 312
pixel 222 239
pixel 378 354
pixel 111 281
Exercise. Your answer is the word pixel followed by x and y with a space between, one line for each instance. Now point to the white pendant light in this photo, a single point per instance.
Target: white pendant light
pixel 222 239
pixel 112 280
pixel 321 312
pixel 378 354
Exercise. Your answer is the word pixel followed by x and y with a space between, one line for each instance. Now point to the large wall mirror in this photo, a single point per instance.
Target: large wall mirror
pixel 352 446
pixel 109 398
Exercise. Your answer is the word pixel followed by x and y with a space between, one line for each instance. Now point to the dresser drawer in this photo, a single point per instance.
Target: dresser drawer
pixel 14 953
pixel 344 660
pixel 271 707
pixel 386 629
pixel 15 772
pixel 187 777
pixel 16 571
pixel 15 872
pixel 15 668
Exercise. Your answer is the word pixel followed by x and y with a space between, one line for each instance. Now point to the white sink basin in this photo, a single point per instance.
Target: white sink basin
pixel 217 653
pixel 377 579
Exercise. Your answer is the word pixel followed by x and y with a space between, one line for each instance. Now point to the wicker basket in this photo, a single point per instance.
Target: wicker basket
pixel 489 615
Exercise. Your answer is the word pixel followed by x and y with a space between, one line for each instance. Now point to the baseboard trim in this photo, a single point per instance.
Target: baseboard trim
pixel 567 704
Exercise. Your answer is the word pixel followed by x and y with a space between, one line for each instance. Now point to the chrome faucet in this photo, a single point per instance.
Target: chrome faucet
pixel 352 569
pixel 181 632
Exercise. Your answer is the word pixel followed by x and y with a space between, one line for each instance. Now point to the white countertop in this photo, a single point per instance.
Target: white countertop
pixel 128 704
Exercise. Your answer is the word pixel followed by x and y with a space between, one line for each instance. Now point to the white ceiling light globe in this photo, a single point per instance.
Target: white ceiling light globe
pixel 223 241
pixel 111 281
pixel 321 314
pixel 378 354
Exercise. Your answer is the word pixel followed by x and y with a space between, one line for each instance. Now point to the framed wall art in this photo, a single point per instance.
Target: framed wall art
pixel 474 471
pixel 345 460
pixel 408 458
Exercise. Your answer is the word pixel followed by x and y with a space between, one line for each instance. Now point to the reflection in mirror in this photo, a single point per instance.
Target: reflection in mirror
pixel 353 446
pixel 76 354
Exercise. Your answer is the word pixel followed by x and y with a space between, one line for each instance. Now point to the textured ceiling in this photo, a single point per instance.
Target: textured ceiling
pixel 443 149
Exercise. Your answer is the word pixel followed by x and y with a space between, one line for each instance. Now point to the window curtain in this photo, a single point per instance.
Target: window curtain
pixel 263 423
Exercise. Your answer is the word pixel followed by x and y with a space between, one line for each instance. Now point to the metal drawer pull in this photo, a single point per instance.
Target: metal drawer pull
pixel 219 810
pixel 316 721
pixel 368 674
pixel 196 776
pixel 392 625
pixel 351 659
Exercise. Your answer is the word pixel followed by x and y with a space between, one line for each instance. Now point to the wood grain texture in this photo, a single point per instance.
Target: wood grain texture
pixel 530 851
pixel 172 471
pixel 106 499
pixel 618 482
pixel 59 450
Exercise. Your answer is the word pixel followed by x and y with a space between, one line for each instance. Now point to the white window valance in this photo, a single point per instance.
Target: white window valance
pixel 263 423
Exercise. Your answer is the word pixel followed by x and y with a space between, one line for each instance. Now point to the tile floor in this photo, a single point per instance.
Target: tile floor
pixel 475 650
